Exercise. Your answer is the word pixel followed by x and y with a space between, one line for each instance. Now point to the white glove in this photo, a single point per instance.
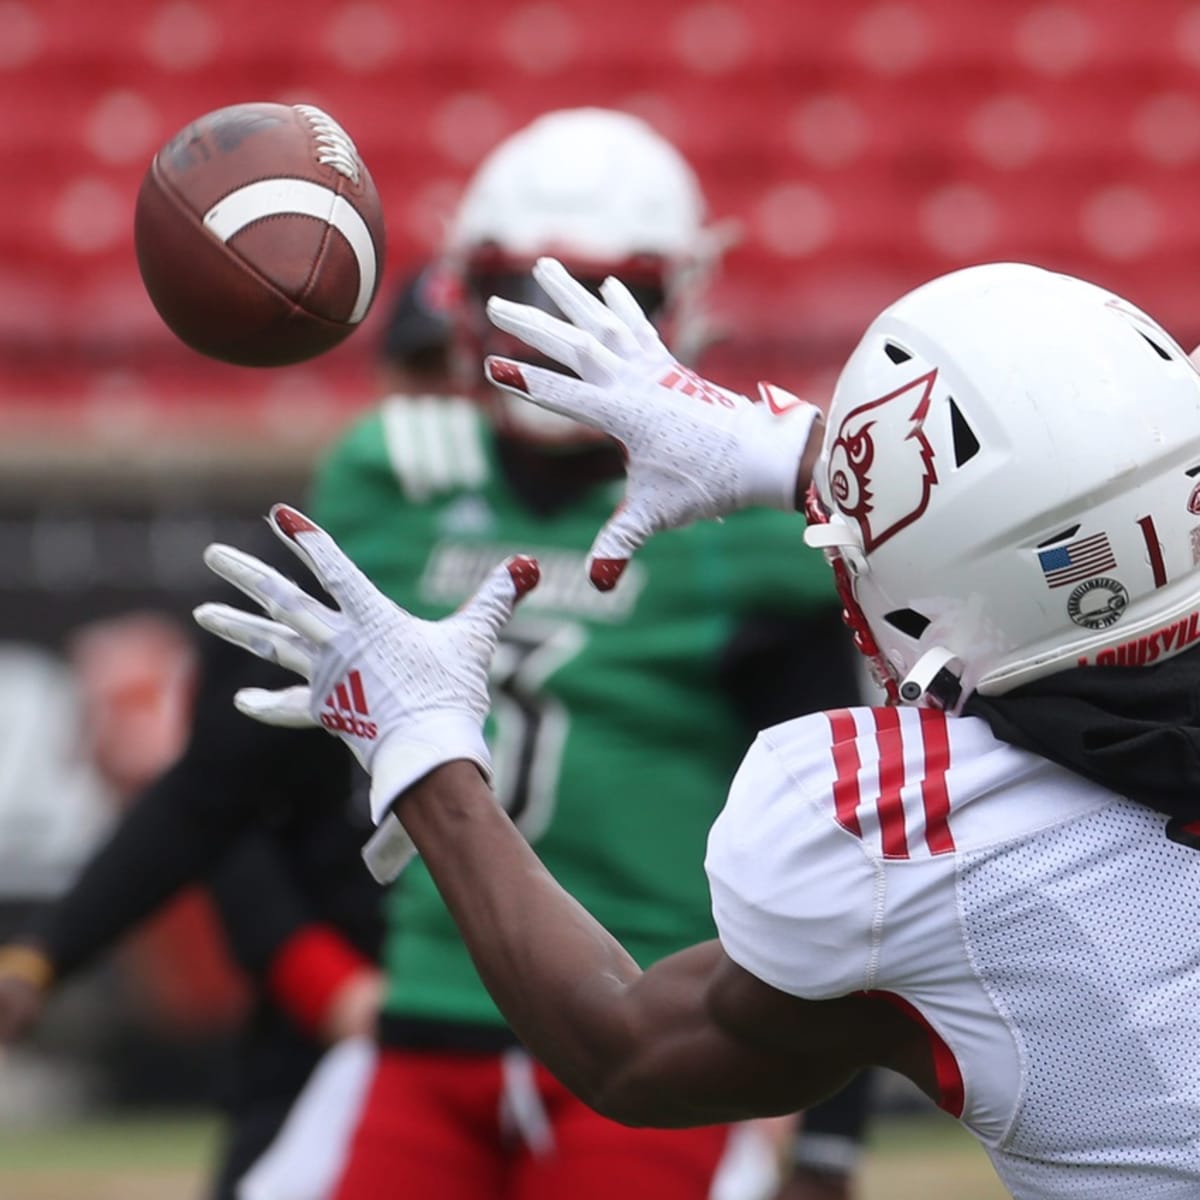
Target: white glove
pixel 405 695
pixel 694 449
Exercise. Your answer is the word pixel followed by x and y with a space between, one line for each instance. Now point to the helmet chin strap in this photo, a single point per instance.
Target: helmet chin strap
pixel 838 534
pixel 842 546
pixel 935 674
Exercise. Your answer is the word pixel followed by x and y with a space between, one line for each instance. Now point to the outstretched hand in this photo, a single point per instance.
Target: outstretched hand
pixel 693 449
pixel 406 695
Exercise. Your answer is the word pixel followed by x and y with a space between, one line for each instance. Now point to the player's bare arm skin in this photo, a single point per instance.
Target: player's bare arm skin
pixel 693 1040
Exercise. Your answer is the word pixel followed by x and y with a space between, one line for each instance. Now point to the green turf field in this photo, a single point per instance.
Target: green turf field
pixel 924 1157
pixel 910 1159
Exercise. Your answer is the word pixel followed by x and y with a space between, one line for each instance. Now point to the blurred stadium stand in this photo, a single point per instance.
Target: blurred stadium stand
pixel 863 147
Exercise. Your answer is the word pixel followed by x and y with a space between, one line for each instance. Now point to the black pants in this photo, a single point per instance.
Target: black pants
pixel 247 1135
pixel 269 1065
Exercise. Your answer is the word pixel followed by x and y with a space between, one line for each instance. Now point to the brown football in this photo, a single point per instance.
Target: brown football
pixel 259 234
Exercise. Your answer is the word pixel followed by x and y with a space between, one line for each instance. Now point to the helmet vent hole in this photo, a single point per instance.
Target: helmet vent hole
pixel 1061 536
pixel 908 621
pixel 966 444
pixel 1155 346
pixel 1192 472
pixel 895 353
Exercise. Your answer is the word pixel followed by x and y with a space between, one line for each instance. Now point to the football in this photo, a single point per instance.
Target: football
pixel 259 234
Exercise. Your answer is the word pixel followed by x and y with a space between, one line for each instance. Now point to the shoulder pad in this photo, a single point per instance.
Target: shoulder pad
pixel 434 444
pixel 795 896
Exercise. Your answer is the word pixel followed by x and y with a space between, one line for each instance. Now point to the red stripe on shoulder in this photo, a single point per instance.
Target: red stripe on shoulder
pixel 935 736
pixel 891 782
pixel 846 795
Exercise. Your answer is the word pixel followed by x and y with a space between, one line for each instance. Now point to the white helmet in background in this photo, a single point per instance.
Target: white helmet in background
pixel 605 193
pixel 1010 485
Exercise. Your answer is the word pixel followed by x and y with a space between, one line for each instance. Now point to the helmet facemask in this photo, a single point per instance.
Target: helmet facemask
pixel 605 194
pixel 491 271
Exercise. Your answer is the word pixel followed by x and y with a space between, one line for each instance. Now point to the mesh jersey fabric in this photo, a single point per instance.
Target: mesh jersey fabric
pixel 1037 922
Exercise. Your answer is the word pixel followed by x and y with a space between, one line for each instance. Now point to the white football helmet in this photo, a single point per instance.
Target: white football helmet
pixel 1009 485
pixel 607 195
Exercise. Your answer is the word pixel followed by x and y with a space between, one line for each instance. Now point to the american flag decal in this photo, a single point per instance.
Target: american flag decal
pixel 1063 565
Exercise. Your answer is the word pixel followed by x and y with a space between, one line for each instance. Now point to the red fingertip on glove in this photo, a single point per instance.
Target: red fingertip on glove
pixel 525 574
pixel 505 373
pixel 291 522
pixel 605 572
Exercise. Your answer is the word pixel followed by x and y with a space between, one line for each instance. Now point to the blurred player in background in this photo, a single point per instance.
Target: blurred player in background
pixel 715 633
pixel 268 824
pixel 176 994
pixel 264 822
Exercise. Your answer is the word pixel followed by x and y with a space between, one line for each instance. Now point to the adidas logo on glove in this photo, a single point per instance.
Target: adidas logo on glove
pixel 345 708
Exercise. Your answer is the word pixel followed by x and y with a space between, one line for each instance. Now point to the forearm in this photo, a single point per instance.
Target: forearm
pixel 555 973
pixel 303 963
pixel 642 1047
pixel 259 903
pixel 324 984
pixel 160 846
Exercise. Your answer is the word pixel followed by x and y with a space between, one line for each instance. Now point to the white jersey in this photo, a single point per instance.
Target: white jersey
pixel 1045 931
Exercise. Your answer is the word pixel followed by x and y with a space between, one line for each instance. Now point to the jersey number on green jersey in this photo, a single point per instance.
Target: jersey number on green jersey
pixel 530 726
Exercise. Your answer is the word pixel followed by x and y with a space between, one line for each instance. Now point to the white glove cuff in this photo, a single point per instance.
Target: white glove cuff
pixel 405 757
pixel 771 456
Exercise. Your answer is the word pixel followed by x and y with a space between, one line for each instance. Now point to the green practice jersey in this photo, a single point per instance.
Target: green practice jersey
pixel 613 742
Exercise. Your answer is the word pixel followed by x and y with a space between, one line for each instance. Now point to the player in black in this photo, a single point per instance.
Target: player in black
pixel 264 822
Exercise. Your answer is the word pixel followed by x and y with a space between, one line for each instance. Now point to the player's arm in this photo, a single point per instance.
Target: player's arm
pixel 188 819
pixel 692 1040
pixel 309 968
pixel 163 842
pixel 173 835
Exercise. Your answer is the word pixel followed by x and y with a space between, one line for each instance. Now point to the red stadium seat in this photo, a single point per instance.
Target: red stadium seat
pixel 862 148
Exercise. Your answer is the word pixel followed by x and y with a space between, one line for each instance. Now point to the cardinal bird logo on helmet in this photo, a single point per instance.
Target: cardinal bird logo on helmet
pixel 881 463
